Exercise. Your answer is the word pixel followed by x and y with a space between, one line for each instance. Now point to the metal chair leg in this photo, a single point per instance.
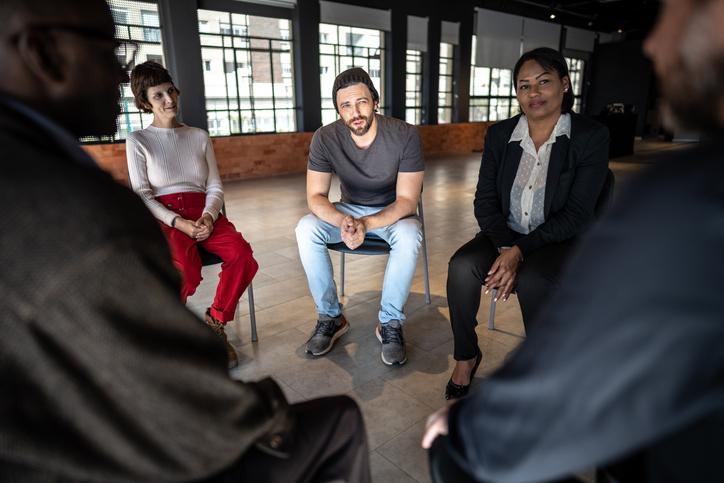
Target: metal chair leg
pixel 252 312
pixel 341 272
pixel 425 272
pixel 491 317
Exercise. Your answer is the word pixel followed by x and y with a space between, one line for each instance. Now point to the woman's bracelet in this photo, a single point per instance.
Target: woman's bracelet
pixel 173 222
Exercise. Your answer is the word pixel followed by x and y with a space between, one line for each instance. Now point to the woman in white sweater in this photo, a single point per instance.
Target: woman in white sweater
pixel 173 168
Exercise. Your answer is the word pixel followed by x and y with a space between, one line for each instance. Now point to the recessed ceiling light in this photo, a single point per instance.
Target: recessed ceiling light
pixel 553 15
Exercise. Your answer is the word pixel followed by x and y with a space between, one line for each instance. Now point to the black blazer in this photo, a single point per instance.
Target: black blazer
pixel 576 174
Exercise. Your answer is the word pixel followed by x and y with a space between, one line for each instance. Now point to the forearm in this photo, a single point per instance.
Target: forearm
pixel 399 209
pixel 325 210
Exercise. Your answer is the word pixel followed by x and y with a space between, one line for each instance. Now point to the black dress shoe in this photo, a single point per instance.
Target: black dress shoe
pixel 457 391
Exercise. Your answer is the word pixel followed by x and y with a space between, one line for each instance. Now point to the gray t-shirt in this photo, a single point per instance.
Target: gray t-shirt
pixel 368 176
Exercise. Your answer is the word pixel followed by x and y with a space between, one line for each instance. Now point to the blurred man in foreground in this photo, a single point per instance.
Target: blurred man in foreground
pixel 629 373
pixel 104 374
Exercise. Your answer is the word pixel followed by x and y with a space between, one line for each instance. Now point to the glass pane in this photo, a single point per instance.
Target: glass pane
pixel 328 115
pixel 286 121
pixel 500 84
pixel 251 80
pixel 479 110
pixel 135 20
pixel 444 115
pixel 341 48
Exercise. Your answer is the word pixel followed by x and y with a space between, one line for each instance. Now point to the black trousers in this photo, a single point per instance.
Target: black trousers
pixel 537 277
pixel 329 444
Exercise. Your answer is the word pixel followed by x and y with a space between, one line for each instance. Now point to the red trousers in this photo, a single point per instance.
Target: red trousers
pixel 237 269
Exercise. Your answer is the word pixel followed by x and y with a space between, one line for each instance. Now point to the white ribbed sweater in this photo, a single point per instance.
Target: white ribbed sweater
pixel 163 161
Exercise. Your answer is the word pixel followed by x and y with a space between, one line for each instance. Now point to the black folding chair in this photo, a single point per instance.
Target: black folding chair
pixel 374 245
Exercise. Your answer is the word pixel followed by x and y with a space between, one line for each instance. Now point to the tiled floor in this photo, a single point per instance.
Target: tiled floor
pixel 395 400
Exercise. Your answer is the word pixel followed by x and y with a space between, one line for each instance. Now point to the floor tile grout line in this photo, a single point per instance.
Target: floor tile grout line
pixel 396 466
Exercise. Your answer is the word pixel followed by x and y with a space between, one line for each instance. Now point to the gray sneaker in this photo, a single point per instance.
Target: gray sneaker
pixel 325 333
pixel 393 343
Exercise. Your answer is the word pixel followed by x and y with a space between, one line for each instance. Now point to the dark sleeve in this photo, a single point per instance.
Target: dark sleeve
pixel 123 365
pixel 487 206
pixel 319 159
pixel 578 211
pixel 625 356
pixel 412 157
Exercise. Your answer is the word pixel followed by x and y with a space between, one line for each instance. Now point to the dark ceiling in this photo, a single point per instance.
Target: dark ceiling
pixel 633 17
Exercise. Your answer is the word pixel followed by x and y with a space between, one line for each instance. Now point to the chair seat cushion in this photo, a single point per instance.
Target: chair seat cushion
pixel 373 245
pixel 208 258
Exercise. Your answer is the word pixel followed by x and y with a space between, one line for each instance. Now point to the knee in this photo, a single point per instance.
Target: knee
pixel 462 263
pixel 307 228
pixel 407 235
pixel 191 279
pixel 239 250
pixel 350 413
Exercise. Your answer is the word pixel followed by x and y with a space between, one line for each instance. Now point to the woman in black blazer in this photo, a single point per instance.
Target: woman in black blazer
pixel 540 176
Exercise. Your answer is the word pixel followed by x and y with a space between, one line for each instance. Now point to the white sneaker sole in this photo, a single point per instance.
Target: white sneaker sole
pixel 382 356
pixel 334 338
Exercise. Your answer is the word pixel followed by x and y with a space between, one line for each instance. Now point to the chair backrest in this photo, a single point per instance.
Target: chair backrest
pixel 606 197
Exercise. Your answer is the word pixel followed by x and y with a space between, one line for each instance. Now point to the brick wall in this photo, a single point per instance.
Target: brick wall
pixel 461 138
pixel 262 155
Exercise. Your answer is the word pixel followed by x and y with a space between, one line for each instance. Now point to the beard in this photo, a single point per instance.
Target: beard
pixel 361 131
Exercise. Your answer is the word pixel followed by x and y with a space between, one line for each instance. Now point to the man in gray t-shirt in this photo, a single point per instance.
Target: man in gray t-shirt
pixel 380 166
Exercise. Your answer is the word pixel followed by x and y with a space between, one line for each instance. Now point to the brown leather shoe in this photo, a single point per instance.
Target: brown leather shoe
pixel 218 328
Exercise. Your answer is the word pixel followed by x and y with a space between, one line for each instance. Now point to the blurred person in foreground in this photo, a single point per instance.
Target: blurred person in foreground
pixel 104 374
pixel 628 375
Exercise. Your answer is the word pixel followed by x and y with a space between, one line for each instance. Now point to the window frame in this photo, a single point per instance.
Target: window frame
pixel 326 103
pixel 249 44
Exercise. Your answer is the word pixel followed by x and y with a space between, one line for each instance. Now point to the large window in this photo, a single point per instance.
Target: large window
pixel 413 87
pixel 136 21
pixel 342 48
pixel 248 77
pixel 492 97
pixel 576 68
pixel 445 91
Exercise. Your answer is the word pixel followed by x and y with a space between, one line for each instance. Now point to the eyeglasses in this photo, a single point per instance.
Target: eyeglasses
pixel 125 50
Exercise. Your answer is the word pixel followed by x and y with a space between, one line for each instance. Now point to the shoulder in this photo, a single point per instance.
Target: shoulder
pixel 501 131
pixel 585 126
pixel 195 134
pixel 396 126
pixel 327 132
pixel 503 128
pixel 195 131
pixel 137 137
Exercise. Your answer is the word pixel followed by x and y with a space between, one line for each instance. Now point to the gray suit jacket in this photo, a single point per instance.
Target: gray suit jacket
pixel 104 374
pixel 629 353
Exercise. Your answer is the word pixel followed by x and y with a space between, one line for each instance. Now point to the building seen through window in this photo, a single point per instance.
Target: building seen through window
pixel 137 21
pixel 248 73
pixel 492 93
pixel 576 68
pixel 413 87
pixel 492 97
pixel 342 48
pixel 445 91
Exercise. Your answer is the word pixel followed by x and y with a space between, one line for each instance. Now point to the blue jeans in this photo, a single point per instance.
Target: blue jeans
pixel 404 237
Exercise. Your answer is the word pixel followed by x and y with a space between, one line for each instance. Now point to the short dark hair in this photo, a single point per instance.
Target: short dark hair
pixel 147 75
pixel 552 61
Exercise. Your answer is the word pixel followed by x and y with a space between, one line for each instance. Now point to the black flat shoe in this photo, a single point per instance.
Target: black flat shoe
pixel 457 391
